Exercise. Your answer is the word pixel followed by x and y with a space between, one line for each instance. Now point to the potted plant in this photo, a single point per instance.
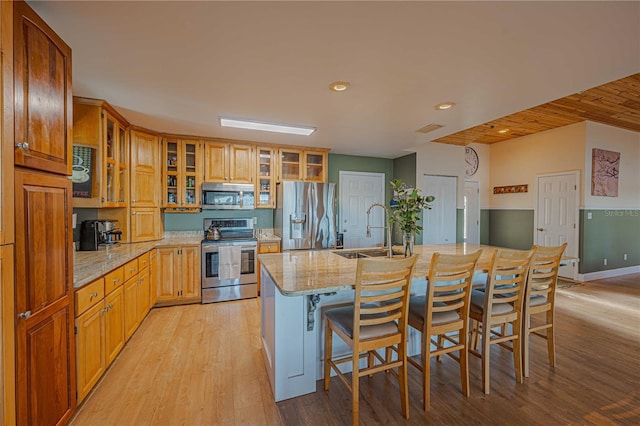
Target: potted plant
pixel 406 206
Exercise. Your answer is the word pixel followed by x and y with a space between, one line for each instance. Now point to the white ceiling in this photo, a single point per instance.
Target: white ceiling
pixel 176 66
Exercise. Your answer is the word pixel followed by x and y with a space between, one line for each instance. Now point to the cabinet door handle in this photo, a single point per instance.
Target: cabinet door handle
pixel 24 315
pixel 23 145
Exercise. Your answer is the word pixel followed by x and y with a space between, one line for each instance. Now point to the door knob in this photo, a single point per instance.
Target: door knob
pixel 540 229
pixel 24 315
pixel 344 230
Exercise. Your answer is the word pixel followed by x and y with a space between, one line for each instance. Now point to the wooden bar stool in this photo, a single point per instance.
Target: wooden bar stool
pixel 500 306
pixel 376 320
pixel 444 312
pixel 540 299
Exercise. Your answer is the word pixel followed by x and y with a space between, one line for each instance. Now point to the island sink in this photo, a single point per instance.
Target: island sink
pixel 364 253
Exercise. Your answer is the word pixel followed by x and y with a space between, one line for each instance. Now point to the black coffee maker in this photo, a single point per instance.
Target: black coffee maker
pixel 96 232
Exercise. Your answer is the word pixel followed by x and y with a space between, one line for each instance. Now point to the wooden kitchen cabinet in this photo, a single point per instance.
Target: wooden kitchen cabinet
pixel 145 225
pixel 315 166
pixel 97 125
pixel 108 312
pixel 6 128
pixel 178 275
pixel 144 219
pixel 266 171
pixel 90 349
pixel 45 344
pixel 136 297
pixel 304 165
pixel 290 164
pixel 145 169
pixel 182 175
pixel 114 324
pixel 7 338
pixel 99 328
pixel 228 162
pixel 43 98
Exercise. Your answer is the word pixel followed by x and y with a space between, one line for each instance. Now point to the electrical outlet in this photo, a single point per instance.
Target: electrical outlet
pixel 605 262
pixel 589 215
pixel 624 256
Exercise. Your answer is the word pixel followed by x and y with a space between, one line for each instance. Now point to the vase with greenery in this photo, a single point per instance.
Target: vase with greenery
pixel 406 206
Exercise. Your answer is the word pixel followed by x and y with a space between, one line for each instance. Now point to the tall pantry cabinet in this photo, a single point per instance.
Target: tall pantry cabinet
pixel 7 326
pixel 44 305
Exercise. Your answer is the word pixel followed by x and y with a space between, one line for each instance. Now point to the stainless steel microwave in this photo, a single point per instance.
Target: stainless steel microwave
pixel 227 196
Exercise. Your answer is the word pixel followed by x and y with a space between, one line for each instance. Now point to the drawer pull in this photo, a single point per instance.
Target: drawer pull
pixel 92 295
pixel 132 269
pixel 116 280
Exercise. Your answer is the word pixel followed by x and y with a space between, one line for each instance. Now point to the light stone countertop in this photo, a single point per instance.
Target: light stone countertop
pixel 304 272
pixel 91 265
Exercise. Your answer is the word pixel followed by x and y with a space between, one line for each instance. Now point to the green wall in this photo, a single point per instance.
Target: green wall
pixel 405 168
pixel 353 163
pixel 511 228
pixel 484 226
pixel 459 225
pixel 609 234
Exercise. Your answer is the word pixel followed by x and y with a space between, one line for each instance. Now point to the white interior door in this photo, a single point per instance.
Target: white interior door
pixel 358 191
pixel 471 230
pixel 557 215
pixel 440 222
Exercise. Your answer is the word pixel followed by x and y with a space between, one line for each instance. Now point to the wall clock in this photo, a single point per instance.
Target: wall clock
pixel 471 161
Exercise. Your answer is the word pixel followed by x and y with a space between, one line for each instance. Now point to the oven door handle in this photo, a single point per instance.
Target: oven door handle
pixel 216 248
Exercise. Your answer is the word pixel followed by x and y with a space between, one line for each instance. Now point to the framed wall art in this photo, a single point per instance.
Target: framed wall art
pixel 605 168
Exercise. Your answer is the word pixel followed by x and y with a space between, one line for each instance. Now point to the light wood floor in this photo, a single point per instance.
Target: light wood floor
pixel 202 365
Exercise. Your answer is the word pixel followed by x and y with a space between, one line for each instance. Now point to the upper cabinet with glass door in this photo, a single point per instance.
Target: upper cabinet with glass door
pixel 305 165
pixel 315 166
pixel 266 177
pixel 182 174
pixel 100 173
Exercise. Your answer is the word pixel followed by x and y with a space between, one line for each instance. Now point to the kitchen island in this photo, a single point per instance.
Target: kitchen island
pixel 297 286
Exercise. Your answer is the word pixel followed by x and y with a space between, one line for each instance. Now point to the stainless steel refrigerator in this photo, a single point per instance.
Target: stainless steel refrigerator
pixel 305 215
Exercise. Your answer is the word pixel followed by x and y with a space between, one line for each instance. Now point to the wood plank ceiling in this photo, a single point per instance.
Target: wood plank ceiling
pixel 616 103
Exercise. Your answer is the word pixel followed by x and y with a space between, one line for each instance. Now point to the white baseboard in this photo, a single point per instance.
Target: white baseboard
pixel 609 274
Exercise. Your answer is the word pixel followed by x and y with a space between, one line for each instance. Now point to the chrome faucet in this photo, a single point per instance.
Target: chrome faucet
pixel 388 227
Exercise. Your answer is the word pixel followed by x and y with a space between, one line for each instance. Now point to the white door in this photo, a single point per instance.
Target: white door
pixel 358 191
pixel 471 231
pixel 439 225
pixel 557 215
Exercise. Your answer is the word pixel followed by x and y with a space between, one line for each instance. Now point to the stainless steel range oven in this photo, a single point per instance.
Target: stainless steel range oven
pixel 232 233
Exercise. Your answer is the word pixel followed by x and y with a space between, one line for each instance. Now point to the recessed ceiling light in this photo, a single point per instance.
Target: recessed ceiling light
pixel 339 86
pixel 503 131
pixel 241 123
pixel 445 105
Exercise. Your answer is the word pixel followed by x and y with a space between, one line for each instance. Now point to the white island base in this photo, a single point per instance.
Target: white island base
pixel 293 340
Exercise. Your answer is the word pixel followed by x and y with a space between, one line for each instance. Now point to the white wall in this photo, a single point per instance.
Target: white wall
pixel 627 143
pixel 444 160
pixel 518 161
